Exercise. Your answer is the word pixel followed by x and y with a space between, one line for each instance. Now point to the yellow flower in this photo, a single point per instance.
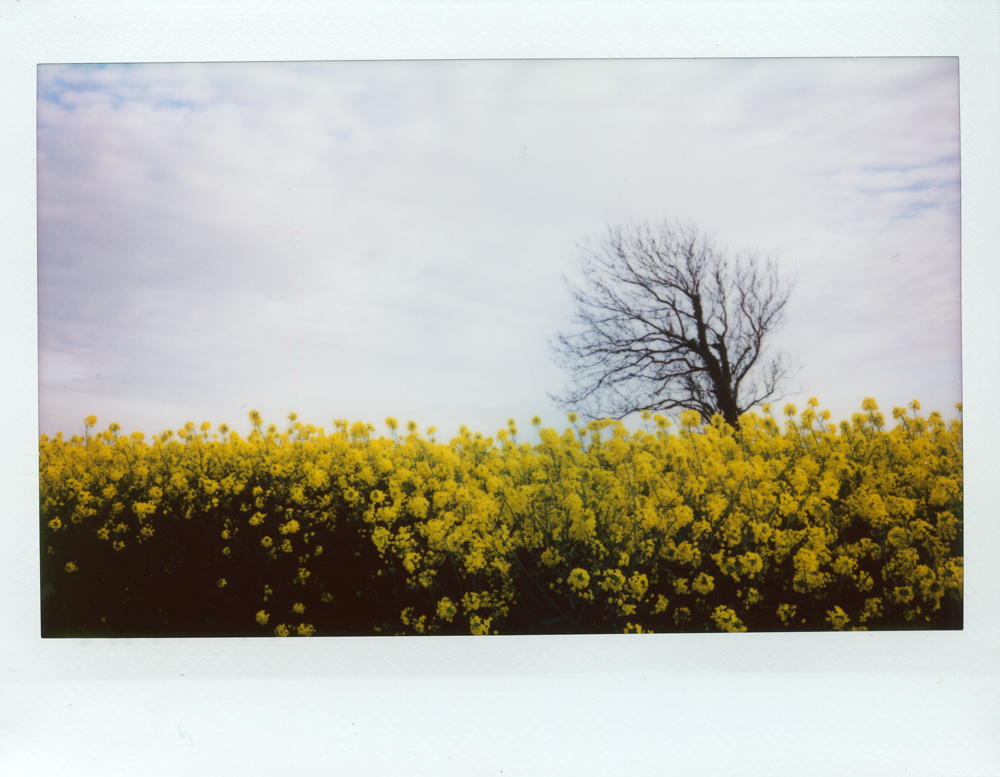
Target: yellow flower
pixel 726 620
pixel 262 618
pixel 550 557
pixel 578 579
pixel 72 567
pixel 289 528
pixel 381 538
pixel 613 580
pixel 266 542
pixel 306 630
pixel 55 524
pixel 690 419
pixel 221 582
pixel 873 608
pixel 638 584
pixel 299 608
pixel 281 630
pixel 118 545
pixel 703 584
pixel 446 610
pixel 838 618
pixel 392 423
pixel 902 594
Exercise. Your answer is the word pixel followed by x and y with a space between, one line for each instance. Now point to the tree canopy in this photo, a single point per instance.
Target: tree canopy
pixel 670 321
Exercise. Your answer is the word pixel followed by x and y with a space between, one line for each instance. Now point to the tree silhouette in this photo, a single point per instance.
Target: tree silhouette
pixel 670 321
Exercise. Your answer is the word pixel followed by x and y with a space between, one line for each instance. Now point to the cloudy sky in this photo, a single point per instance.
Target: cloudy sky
pixel 363 239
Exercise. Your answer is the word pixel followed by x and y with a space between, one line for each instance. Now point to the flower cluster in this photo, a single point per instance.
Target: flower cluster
pixel 794 525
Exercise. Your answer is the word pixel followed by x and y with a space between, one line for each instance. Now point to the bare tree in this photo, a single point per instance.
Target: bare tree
pixel 669 321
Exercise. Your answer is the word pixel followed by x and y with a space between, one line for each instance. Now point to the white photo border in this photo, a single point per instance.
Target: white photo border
pixel 866 703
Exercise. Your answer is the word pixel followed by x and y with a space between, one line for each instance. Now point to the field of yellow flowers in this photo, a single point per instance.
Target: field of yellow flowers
pixel 801 525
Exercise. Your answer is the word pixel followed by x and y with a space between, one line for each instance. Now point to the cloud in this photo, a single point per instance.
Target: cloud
pixel 365 238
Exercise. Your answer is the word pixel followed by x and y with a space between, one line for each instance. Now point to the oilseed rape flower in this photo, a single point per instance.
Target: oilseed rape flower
pixel 446 610
pixel 803 525
pixel 638 585
pixel 578 579
pixel 613 580
pixel 703 584
pixel 726 619
pixel 262 617
pixel 838 618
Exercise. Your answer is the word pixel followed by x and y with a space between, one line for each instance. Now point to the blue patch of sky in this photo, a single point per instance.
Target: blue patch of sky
pixel 920 186
pixel 915 209
pixel 56 81
pixel 941 161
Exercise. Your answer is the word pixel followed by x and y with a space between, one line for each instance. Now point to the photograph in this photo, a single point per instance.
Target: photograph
pixel 499 347
pixel 477 388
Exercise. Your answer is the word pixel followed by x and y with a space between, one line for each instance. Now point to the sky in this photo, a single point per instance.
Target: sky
pixel 360 240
